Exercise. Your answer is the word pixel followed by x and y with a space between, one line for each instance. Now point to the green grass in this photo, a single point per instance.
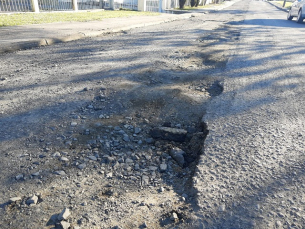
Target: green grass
pixel 52 17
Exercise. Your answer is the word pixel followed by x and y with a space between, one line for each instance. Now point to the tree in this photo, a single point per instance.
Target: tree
pixel 194 3
pixel 181 3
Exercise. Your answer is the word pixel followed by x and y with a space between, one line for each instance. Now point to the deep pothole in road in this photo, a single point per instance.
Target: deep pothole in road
pixel 131 153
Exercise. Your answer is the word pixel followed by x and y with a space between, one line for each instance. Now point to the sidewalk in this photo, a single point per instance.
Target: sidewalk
pixel 15 38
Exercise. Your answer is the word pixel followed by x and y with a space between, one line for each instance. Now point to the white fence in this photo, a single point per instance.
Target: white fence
pixel 153 5
pixel 64 5
pixel 69 5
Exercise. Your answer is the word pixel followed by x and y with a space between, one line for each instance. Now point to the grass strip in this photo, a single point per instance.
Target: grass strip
pixel 14 19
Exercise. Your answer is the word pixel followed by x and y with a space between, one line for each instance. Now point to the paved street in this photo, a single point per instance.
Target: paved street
pixel 77 122
pixel 252 172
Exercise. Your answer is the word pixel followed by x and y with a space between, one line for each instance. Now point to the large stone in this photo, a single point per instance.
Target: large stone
pixel 168 133
pixel 64 225
pixel 15 199
pixel 33 200
pixel 178 155
pixel 64 215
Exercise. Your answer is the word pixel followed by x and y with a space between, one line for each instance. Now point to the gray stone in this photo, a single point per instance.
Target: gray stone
pixel 64 215
pixel 136 167
pixel 126 138
pixel 93 158
pixel 144 180
pixel 81 166
pixel 178 155
pixel 15 199
pixel 174 216
pixel 60 172
pixel 149 140
pixel 137 130
pixel 56 154
pixel 19 177
pixel 109 175
pixel 163 167
pixel 65 224
pixel 35 174
pixel 73 123
pixel 128 160
pixel 222 208
pixel 64 159
pixel 168 133
pixel 117 128
pixel 32 200
pixel 152 168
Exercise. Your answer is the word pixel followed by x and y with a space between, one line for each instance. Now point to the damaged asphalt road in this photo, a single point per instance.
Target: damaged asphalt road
pixel 108 132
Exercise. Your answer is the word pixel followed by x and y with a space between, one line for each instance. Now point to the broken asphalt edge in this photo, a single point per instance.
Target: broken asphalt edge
pixel 278 6
pixel 16 46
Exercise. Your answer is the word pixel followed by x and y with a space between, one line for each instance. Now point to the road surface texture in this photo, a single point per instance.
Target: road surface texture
pixel 251 174
pixel 108 132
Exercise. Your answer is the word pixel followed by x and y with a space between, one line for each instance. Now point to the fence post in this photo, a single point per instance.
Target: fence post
pixel 35 6
pixel 142 5
pixel 111 4
pixel 74 5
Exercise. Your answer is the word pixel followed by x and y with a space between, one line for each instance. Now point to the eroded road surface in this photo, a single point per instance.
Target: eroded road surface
pixel 252 172
pixel 110 132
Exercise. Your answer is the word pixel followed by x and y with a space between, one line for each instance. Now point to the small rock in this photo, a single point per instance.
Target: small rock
pixel 137 130
pixel 278 223
pixel 126 138
pixel 128 161
pixel 144 225
pixel 81 166
pixel 32 201
pixel 35 174
pixel 93 158
pixel 73 124
pixel 136 167
pixel 64 215
pixel 163 167
pixel 15 199
pixel 167 133
pixel 149 140
pixel 109 175
pixel 184 195
pixel 56 154
pixel 19 177
pixel 65 225
pixel 222 208
pixel 174 216
pixel 60 172
pixel 144 180
pixel 178 155
pixel 152 168
pixel 64 159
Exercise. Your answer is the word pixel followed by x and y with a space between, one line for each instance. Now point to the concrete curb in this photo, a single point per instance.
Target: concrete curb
pixel 15 46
